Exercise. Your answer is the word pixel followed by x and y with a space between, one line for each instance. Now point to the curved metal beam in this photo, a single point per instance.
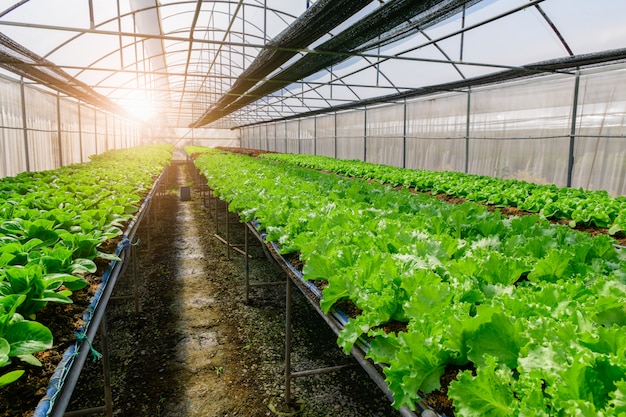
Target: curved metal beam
pixel 314 23
pixel 377 23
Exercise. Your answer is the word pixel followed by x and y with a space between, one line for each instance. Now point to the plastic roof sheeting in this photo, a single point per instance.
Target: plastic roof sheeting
pixel 179 63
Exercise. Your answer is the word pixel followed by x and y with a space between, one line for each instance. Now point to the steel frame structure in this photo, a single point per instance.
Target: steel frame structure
pixel 232 63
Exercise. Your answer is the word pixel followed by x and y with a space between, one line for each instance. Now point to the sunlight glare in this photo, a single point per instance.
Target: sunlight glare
pixel 139 105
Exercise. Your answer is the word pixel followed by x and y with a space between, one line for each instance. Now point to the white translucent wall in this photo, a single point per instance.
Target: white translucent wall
pixel 292 137
pixel 520 129
pixel 256 139
pixel 70 133
pixel 600 148
pixel 12 149
pixel 325 131
pixel 248 140
pixel 88 133
pixel 307 134
pixel 385 135
pixel 101 132
pixel 270 134
pixel 55 131
pixel 435 133
pixel 351 135
pixel 42 130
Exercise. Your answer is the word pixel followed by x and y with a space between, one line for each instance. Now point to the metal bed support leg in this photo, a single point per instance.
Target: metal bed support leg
pixel 227 231
pixel 107 408
pixel 108 398
pixel 247 263
pixel 288 342
pixel 133 257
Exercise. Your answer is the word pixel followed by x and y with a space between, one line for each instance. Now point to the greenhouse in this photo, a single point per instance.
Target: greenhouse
pixel 312 208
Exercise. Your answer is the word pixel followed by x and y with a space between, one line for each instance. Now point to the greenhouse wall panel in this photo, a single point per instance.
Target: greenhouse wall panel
pixel 13 159
pixel 435 133
pixel 246 138
pixel 259 136
pixel 243 138
pixel 88 136
pixel 118 134
pixel 600 163
pixel 435 154
pixel 291 135
pixel 279 144
pixel 42 130
pixel 258 139
pixel 536 160
pixel 101 132
pixel 522 130
pixel 70 132
pixel 600 145
pixel 385 135
pixel 13 154
pixel 385 150
pixel 351 135
pixel 307 135
pixel 325 143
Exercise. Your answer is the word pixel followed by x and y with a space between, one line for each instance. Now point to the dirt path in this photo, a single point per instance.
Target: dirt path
pixel 197 349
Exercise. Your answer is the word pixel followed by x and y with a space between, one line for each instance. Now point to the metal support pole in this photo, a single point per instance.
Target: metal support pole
pixel 572 134
pixel 299 135
pixel 335 135
pixel 288 342
pixel 216 201
pixel 467 130
pixel 59 134
pixel 24 125
pixel 365 134
pixel 227 232
pixel 80 133
pixel 247 262
pixel 106 368
pixel 404 135
pixel 314 135
pixel 133 257
pixel 149 214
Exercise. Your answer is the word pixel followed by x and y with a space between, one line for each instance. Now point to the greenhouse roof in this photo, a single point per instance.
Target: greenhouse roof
pixel 228 63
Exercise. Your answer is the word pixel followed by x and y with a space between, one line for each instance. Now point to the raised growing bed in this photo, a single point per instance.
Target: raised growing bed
pixel 488 296
pixel 84 208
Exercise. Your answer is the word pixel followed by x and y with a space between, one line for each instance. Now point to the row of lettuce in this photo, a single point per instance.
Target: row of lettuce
pixel 535 313
pixel 52 224
pixel 585 207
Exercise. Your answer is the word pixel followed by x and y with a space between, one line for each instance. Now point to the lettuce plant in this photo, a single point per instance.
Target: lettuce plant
pixel 18 337
pixel 52 224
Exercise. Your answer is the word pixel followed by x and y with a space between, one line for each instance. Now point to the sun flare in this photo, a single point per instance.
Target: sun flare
pixel 140 106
